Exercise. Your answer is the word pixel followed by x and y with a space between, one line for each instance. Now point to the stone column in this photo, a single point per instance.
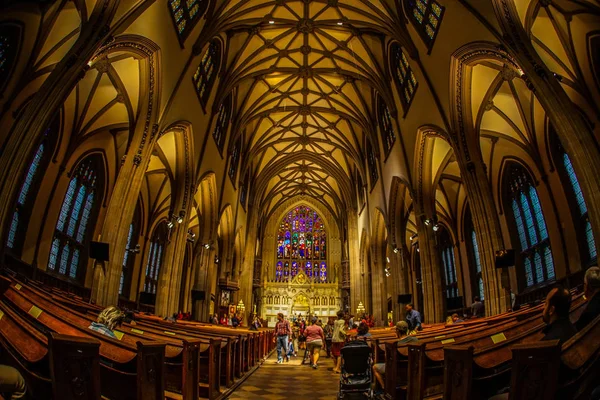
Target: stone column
pixel 357 292
pixel 431 273
pixel 201 277
pixel 169 280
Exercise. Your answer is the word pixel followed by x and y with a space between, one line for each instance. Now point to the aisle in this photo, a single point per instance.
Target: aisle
pixel 290 380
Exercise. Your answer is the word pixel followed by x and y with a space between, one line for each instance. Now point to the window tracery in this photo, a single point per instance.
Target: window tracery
pixel 528 220
pixel 406 83
pixel 155 257
pixel 301 245
pixel 73 229
pixel 186 13
pixel 386 127
pixel 206 74
pixel 427 17
pixel 222 123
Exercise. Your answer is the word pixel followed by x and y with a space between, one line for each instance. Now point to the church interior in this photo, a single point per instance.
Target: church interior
pixel 257 157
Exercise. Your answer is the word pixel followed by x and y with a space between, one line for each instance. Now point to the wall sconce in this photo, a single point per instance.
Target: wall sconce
pixel 135 249
pixel 181 217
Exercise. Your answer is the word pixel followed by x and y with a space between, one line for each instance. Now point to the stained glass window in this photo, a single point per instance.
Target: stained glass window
pixel 233 161
pixel 206 73
pixel 223 116
pixel 386 127
pixel 372 164
pixel 406 83
pixel 473 251
pixel 579 207
pixel 244 189
pixel 427 17
pixel 155 257
pixel 73 225
pixel 529 223
pixel 125 259
pixel 186 14
pixel 360 188
pixel 447 254
pixel 301 245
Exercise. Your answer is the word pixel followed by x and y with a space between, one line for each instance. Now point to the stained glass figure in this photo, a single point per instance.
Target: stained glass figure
pixel 301 243
pixel 529 223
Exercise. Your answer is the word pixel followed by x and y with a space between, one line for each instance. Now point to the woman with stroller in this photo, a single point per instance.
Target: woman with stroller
pixel 314 341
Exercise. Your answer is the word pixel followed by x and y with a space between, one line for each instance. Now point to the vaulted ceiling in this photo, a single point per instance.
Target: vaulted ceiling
pixel 304 76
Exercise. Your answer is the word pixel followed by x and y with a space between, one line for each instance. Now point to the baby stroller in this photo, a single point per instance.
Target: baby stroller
pixel 356 376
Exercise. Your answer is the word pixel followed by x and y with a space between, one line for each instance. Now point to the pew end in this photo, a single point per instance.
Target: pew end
pixel 458 372
pixel 74 367
pixel 534 374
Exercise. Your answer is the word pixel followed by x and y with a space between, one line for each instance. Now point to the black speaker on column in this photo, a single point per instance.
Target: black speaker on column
pixel 505 258
pixel 404 298
pixel 198 295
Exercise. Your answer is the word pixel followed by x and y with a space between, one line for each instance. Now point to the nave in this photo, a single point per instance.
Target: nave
pixel 291 380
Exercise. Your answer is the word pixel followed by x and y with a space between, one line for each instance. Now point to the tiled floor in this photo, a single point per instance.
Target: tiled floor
pixel 291 380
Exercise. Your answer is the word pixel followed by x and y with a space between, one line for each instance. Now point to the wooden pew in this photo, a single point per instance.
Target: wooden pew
pixel 74 367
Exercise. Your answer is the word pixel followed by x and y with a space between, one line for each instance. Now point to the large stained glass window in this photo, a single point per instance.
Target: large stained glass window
pixel 386 127
pixel 406 83
pixel 447 253
pixel 186 14
pixel 206 73
pixel 34 167
pixel 427 17
pixel 28 193
pixel 155 257
pixel 579 209
pixel 528 221
pixel 223 116
pixel 233 161
pixel 475 260
pixel 301 245
pixel 76 221
pixel 372 164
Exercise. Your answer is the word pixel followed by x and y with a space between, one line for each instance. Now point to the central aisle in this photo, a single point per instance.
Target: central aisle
pixel 291 380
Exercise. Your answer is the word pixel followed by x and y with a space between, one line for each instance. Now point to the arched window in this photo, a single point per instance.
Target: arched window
pixel 223 116
pixel 446 248
pixel 475 260
pixel 244 189
pixel 360 187
pixel 372 164
pixel 386 127
pixel 302 242
pixel 206 73
pixel 186 14
pixel 406 83
pixel 76 220
pixel 155 257
pixel 10 43
pixel 523 207
pixel 577 203
pixel 427 17
pixel 129 256
pixel 233 160
pixel 31 181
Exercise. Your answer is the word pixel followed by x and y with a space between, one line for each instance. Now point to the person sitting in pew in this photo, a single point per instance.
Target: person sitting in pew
pixel 591 288
pixel 12 384
pixel 403 338
pixel 477 308
pixel 456 319
pixel 110 318
pixel 556 316
pixel 363 331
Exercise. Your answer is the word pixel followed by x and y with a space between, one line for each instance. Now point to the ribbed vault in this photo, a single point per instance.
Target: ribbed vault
pixel 304 76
